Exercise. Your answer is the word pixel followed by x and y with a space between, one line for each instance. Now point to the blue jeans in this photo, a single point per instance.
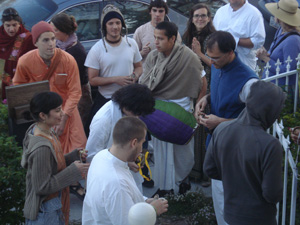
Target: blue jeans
pixel 49 213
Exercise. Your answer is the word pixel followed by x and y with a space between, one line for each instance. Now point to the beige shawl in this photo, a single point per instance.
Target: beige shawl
pixel 175 76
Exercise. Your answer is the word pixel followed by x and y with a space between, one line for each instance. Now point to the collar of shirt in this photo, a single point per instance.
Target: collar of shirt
pixel 117 161
pixel 230 66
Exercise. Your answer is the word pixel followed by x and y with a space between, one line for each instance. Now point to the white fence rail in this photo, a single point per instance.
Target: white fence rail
pixel 288 161
pixel 285 141
pixel 287 74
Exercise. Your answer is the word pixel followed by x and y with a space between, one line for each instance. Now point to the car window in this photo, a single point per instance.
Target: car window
pixel 87 18
pixel 135 13
pixel 184 6
pixel 31 11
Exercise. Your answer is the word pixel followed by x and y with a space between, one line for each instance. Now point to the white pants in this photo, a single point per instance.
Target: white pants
pixel 172 163
pixel 218 199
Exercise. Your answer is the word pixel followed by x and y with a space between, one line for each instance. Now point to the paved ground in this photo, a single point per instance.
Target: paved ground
pixel 76 204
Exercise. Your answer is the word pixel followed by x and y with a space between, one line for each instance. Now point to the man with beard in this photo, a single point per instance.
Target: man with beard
pixel 114 61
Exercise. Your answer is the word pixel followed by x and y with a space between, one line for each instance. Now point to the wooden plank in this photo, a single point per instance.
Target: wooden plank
pixel 19 96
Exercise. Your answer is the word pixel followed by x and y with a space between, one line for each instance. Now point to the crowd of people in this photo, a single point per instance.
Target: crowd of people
pixel 208 73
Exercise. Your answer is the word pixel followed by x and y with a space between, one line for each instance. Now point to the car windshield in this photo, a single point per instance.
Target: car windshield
pixel 184 6
pixel 30 11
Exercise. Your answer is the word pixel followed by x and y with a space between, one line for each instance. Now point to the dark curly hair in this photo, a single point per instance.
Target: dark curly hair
pixel 135 98
pixel 191 30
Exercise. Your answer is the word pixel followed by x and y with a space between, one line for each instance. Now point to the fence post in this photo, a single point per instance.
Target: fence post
pixel 288 67
pixel 297 84
pixel 267 67
pixel 257 70
pixel 277 64
pixel 294 196
pixel 278 127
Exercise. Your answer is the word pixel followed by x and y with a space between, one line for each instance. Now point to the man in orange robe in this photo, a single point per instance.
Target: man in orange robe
pixel 60 68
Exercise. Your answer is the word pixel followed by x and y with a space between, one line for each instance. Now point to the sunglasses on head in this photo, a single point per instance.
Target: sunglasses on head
pixel 10 13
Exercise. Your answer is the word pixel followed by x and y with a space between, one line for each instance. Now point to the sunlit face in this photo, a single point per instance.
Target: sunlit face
pixel 200 18
pixel 59 35
pixel 46 45
pixel 113 29
pixel 53 118
pixel 217 58
pixel 157 15
pixel 11 27
pixel 162 43
pixel 137 150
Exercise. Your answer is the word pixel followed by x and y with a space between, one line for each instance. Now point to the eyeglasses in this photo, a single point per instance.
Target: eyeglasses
pixel 10 13
pixel 202 16
pixel 213 59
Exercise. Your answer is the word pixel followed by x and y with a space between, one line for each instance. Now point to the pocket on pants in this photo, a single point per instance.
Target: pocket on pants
pixel 49 213
pixel 51 205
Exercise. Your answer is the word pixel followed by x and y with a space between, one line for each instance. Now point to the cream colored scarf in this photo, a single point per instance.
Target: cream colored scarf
pixel 175 76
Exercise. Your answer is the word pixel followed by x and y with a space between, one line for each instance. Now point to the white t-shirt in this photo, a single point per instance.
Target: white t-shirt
pixel 117 61
pixel 246 22
pixel 111 191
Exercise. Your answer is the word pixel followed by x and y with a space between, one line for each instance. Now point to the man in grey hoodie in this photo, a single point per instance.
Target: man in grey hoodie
pixel 248 160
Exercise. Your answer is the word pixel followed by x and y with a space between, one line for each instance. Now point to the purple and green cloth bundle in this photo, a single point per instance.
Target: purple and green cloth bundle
pixel 171 123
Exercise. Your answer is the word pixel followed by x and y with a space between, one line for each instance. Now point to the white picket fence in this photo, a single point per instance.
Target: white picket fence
pixel 287 74
pixel 285 141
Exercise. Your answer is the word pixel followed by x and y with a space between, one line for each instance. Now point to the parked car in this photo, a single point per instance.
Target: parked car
pixel 184 6
pixel 87 14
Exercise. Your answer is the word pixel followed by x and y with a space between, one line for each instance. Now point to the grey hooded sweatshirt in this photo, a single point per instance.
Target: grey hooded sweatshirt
pixel 248 160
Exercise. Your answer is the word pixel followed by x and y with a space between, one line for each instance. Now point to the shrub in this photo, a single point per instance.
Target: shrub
pixel 12 175
pixel 291 119
pixel 195 206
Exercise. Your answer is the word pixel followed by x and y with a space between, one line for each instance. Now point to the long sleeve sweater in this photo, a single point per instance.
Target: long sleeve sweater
pixel 42 178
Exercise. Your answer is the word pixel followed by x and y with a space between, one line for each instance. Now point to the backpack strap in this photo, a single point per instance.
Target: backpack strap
pixel 54 64
pixel 283 38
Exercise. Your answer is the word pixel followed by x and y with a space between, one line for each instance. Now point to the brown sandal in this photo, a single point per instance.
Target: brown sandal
pixel 75 189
